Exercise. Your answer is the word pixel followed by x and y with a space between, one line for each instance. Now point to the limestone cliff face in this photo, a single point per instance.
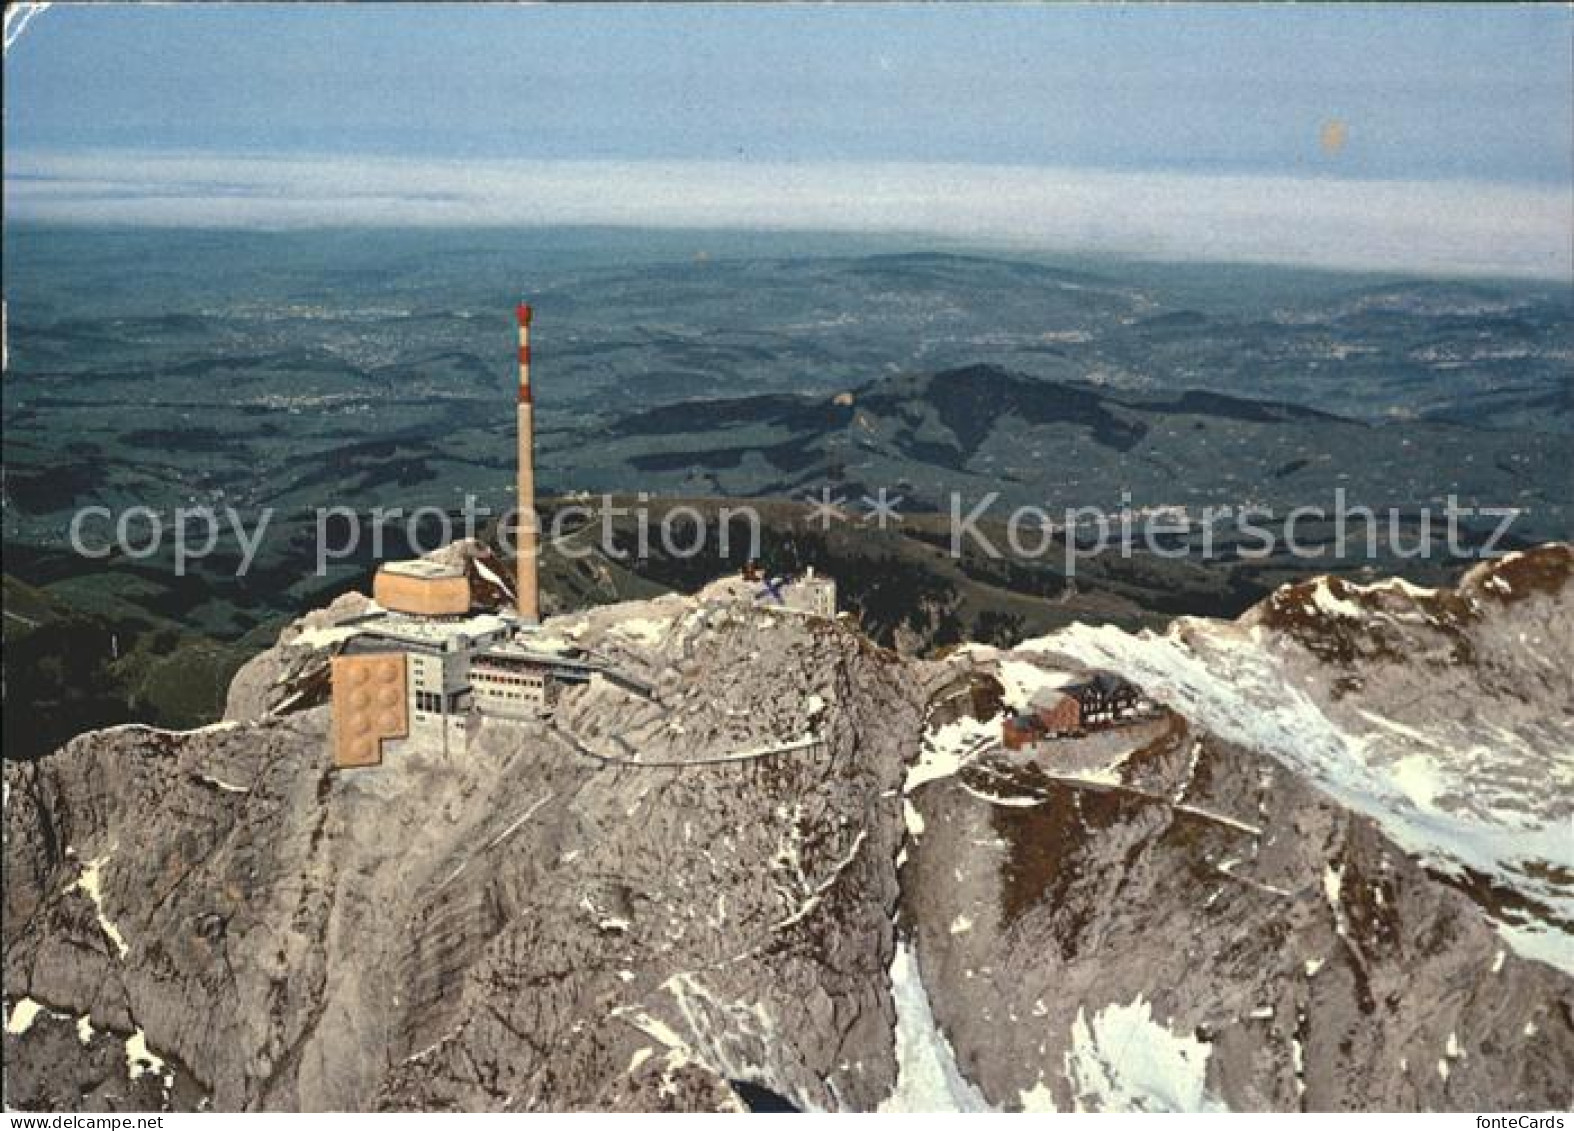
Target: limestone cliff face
pixel 1199 899
pixel 527 923
pixel 634 907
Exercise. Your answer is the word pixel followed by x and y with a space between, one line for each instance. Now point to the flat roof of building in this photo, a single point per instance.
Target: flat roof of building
pixel 505 651
pixel 421 568
pixel 433 630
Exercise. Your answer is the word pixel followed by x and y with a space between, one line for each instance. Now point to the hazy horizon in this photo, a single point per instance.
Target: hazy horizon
pixel 1426 141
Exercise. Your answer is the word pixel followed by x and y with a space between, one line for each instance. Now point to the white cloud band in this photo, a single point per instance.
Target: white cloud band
pixel 1463 227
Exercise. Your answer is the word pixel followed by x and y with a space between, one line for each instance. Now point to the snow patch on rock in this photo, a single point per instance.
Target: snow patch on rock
pixel 928 1078
pixel 325 636
pixel 1021 680
pixel 1124 1061
pixel 89 883
pixel 948 748
pixel 1326 602
pixel 140 1060
pixel 224 786
pixel 22 1016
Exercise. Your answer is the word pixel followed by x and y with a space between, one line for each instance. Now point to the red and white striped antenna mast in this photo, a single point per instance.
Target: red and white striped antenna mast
pixel 526 547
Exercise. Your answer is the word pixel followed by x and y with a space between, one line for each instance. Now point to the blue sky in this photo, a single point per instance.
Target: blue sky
pixel 411 94
pixel 1477 91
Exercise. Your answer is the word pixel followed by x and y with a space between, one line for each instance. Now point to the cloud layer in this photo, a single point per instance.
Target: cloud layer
pixel 1446 227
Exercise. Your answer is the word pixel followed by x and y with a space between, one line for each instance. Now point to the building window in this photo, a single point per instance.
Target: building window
pixel 428 702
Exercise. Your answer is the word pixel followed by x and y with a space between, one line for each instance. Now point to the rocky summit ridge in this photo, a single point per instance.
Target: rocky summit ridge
pixel 1331 872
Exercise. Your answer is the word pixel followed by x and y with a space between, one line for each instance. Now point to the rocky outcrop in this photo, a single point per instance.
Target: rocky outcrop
pixel 782 864
pixel 1263 947
pixel 536 921
pixel 1444 715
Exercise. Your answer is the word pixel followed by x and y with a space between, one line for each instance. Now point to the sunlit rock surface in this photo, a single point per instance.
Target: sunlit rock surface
pixel 1328 875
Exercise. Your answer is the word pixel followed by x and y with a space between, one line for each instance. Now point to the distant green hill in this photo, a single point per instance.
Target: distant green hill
pixel 68 669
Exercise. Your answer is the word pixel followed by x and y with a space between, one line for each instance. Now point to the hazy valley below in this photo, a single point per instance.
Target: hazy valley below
pixel 296 371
